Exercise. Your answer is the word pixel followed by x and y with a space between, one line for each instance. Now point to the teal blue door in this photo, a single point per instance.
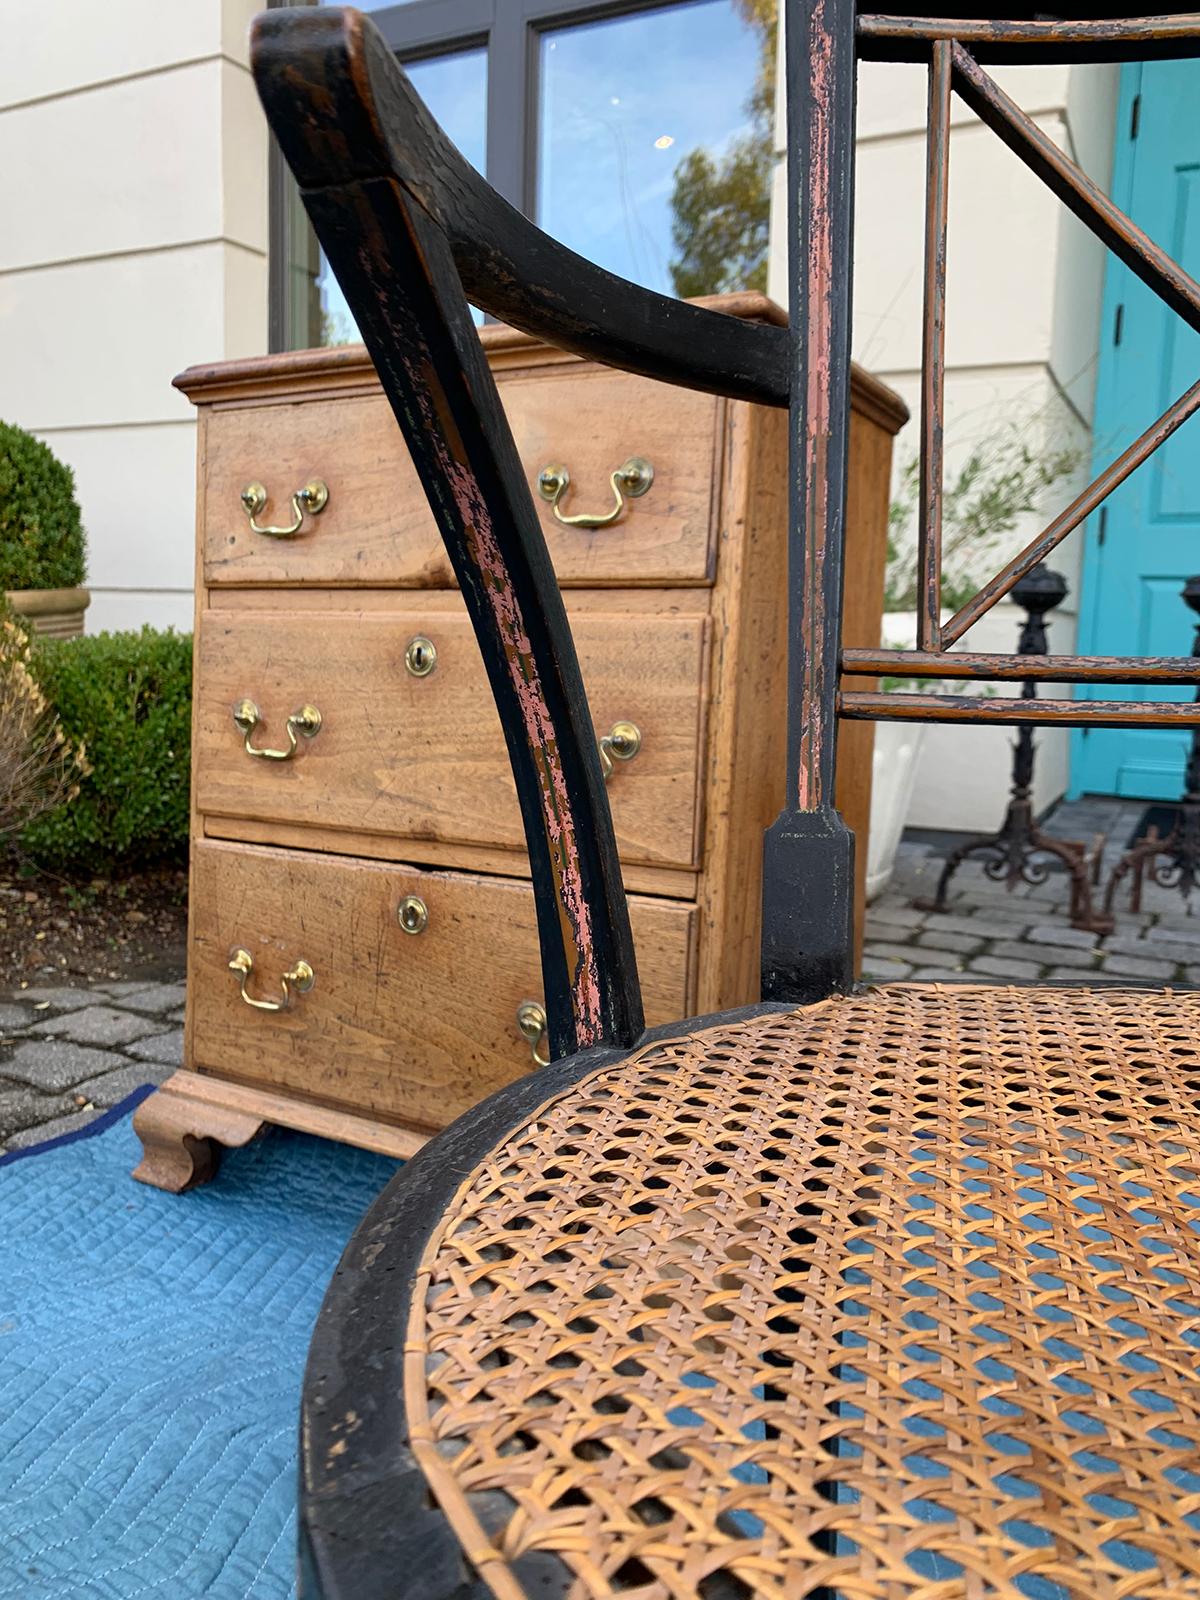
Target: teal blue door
pixel 1142 545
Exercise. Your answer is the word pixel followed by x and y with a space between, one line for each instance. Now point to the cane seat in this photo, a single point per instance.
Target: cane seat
pixel 897 1294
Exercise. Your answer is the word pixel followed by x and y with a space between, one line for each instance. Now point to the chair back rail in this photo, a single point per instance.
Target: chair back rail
pixel 953 50
pixel 1016 40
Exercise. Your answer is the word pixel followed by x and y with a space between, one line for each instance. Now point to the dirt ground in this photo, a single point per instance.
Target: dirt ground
pixel 132 927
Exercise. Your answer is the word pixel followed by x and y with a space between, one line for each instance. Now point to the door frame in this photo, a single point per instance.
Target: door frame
pixel 1088 623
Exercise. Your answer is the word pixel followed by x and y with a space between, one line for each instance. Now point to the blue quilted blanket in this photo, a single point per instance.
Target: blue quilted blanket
pixel 151 1351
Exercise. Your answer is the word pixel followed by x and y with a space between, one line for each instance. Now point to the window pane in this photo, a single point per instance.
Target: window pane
pixel 655 143
pixel 455 90
pixel 454 87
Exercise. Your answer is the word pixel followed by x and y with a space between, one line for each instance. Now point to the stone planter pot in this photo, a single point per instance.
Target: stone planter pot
pixel 893 774
pixel 54 613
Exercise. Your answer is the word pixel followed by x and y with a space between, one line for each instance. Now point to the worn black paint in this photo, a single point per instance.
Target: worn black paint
pixel 808 907
pixel 808 869
pixel 1102 33
pixel 507 266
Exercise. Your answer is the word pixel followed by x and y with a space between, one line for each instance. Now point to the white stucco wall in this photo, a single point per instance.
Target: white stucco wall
pixel 1022 331
pixel 133 170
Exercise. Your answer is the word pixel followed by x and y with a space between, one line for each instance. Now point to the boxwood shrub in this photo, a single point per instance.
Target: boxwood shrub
pixel 41 531
pixel 128 697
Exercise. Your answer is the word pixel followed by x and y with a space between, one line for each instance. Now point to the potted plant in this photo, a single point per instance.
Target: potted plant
pixel 42 550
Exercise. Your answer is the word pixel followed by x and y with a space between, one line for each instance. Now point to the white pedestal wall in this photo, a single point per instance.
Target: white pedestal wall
pixel 133 177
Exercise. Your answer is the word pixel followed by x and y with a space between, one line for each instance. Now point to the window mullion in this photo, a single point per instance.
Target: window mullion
pixel 509 109
pixel 435 25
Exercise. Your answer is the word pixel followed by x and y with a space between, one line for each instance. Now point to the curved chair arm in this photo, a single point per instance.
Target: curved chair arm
pixel 372 124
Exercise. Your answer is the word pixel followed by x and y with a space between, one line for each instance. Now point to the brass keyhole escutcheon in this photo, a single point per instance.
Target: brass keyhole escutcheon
pixel 413 914
pixel 421 656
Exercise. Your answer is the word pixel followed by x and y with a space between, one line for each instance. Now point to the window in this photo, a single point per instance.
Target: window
pixel 636 131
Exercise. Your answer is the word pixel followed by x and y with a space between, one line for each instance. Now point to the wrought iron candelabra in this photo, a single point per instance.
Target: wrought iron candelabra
pixel 1172 862
pixel 1018 851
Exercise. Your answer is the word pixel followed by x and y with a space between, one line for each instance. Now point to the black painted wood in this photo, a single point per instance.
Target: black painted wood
pixel 807 907
pixel 316 74
pixel 1094 33
pixel 808 872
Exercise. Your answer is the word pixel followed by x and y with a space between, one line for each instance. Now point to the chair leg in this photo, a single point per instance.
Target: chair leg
pixel 808 907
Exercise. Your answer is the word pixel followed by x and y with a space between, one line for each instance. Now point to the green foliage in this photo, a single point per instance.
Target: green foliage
pixel 127 697
pixel 336 326
pixel 41 532
pixel 39 767
pixel 721 205
pixel 1001 480
pixel 720 222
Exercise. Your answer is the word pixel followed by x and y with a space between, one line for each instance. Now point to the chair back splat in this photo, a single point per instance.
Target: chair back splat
pixel 808 876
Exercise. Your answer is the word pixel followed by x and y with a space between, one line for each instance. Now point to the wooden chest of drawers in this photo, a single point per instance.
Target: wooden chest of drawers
pixel 373 868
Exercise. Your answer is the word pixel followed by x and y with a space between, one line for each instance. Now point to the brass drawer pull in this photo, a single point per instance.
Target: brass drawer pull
pixel 621 743
pixel 301 975
pixel 630 481
pixel 312 499
pixel 531 1019
pixel 247 716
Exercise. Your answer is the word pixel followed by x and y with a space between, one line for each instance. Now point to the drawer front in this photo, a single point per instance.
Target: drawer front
pixel 412 1027
pixel 376 527
pixel 423 757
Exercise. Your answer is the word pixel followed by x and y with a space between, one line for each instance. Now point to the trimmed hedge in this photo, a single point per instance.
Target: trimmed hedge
pixel 41 530
pixel 128 698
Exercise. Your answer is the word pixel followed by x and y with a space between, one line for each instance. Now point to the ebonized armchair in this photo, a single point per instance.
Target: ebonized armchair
pixel 856 1294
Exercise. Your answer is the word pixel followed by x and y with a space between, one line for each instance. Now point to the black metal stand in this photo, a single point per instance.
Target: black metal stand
pixel 1011 852
pixel 1179 867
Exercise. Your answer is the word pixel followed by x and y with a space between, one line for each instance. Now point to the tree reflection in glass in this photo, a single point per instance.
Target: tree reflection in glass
pixel 655 143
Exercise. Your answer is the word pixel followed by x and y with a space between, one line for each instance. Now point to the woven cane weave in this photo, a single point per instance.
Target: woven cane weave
pixel 896 1295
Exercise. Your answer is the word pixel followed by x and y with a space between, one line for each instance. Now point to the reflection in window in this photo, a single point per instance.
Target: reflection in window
pixel 454 87
pixel 655 143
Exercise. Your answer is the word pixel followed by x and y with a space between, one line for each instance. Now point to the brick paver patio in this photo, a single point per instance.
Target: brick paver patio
pixel 1023 936
pixel 69 1051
